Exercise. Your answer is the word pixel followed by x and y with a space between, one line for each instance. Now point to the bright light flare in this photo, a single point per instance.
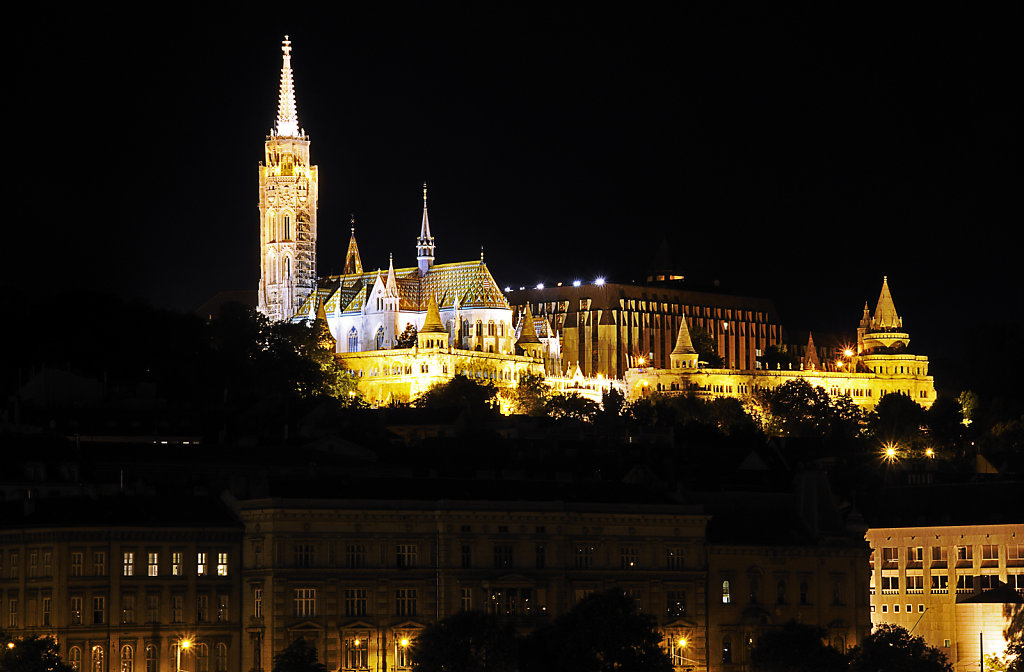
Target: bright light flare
pixel 576 283
pixel 890 451
pixel 929 452
pixel 681 642
pixel 540 285
pixel 599 281
pixel 405 642
pixel 848 353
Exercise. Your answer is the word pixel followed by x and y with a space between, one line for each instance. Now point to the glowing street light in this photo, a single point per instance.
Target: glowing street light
pixel 599 281
pixel 928 452
pixel 540 285
pixel 182 644
pixel 576 283
pixel 405 642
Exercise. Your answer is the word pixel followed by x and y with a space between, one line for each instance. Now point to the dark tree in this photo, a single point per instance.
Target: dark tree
pixel 530 395
pixel 30 654
pixel 602 633
pixel 891 647
pixel 407 339
pixel 613 404
pixel 898 418
pixel 571 407
pixel 804 410
pixel 706 348
pixel 459 393
pixel 795 648
pixel 298 657
pixel 469 641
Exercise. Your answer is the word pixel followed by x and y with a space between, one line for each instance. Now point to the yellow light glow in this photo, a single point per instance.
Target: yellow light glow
pixel 185 643
pixel 682 642
pixel 839 363
pixel 10 645
pixel 890 452
pixel 929 452
pixel 640 361
pixel 405 642
pixel 356 642
pixel 848 353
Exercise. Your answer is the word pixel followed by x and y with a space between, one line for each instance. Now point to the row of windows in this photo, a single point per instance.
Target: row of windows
pixel 782 592
pixel 40 563
pixel 151 658
pixel 939 583
pixel 206 609
pixel 407 555
pixel 284 232
pixel 939 555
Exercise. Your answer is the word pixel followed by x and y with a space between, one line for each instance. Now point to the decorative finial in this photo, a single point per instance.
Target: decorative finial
pixel 352 222
pixel 424 195
pixel 481 253
pixel 287 116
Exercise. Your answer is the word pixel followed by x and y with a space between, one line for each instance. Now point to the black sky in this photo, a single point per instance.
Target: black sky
pixel 799 154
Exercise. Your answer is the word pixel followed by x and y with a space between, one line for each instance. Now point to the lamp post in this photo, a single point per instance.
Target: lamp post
pixel 182 644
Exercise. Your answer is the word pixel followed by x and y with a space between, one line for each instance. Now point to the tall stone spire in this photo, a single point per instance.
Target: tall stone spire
pixel 425 243
pixel 885 317
pixel 683 356
pixel 287 115
pixel 353 263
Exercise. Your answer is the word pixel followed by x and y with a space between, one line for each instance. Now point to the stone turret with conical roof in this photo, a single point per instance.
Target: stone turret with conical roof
pixel 683 356
pixel 528 341
pixel 811 361
pixel 885 327
pixel 432 335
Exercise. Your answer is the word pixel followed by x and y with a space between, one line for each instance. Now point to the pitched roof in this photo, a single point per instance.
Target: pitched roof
pixel 885 316
pixel 432 323
pixel 684 345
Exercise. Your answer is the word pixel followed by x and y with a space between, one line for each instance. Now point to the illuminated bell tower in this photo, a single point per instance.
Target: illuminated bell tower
pixel 288 195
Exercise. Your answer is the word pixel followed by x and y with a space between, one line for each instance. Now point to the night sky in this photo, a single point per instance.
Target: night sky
pixel 799 154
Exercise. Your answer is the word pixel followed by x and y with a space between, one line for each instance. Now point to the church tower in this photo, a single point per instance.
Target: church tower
pixel 288 196
pixel 425 243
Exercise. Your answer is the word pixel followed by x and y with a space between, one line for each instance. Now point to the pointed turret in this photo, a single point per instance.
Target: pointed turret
pixel 425 242
pixel 353 263
pixel 811 356
pixel 391 284
pixel 287 114
pixel 528 341
pixel 432 334
pixel 885 317
pixel 683 356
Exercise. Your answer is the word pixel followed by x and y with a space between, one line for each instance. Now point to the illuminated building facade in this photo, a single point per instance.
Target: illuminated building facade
pixel 880 365
pixel 287 203
pixel 605 327
pixel 361 579
pixel 949 584
pixel 121 582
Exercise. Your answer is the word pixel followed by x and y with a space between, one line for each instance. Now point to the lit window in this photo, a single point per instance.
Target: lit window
pixel 177 566
pixel 75 658
pixel 357 651
pixel 128 563
pixel 726 593
pixel 76 611
pixel 201 566
pixel 127 658
pixel 152 564
pixel 257 602
pixel 467 599
pixel 222 564
pixel 97 659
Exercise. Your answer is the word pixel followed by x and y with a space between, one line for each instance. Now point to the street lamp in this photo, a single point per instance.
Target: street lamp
pixel 182 644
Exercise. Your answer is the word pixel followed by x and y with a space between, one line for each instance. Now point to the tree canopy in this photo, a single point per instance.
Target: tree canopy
pixel 299 656
pixel 31 654
pixel 469 641
pixel 795 648
pixel 603 633
pixel 891 647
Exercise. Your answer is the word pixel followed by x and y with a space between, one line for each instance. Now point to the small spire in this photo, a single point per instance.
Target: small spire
pixel 425 242
pixel 811 360
pixel 392 283
pixel 353 263
pixel 287 114
pixel 481 254
pixel 684 344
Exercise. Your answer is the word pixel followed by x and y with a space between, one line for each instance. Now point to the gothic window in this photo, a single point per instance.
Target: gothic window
pixel 286 221
pixel 491 328
pixel 287 269
pixel 353 340
pixel 380 337
pixel 479 328
pixel 127 658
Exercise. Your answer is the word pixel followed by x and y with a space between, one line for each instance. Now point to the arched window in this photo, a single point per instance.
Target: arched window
pixel 491 328
pixel 75 658
pixel 286 222
pixel 726 650
pixel 202 658
pixel 127 658
pixel 479 328
pixel 271 227
pixel 151 658
pixel 221 664
pixel 353 340
pixel 287 269
pixel 380 337
pixel 726 593
pixel 97 659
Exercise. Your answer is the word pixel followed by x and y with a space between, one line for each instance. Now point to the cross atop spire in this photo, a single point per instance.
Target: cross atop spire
pixel 425 242
pixel 287 115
